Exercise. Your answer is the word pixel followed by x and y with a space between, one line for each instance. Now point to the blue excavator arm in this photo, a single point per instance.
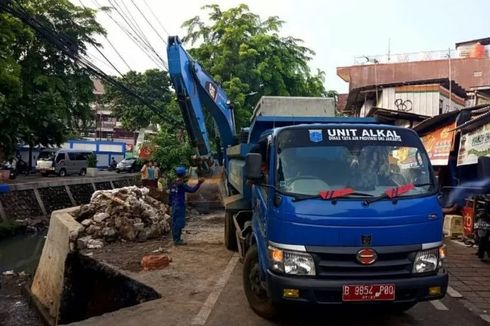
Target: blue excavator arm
pixel 196 90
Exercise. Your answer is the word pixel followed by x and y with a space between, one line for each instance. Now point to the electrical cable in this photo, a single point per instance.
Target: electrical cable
pixel 110 43
pixel 134 29
pixel 156 18
pixel 59 41
pixel 148 22
pixel 142 46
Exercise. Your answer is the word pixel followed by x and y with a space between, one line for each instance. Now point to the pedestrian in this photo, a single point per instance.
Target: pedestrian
pixel 151 175
pixel 177 202
pixel 158 173
pixel 144 174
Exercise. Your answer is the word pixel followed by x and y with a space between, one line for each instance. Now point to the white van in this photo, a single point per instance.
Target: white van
pixel 62 162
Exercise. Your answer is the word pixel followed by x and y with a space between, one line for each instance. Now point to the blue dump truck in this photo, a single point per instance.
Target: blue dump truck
pixel 321 209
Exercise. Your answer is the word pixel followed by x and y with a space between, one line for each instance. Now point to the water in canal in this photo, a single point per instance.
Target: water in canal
pixel 21 252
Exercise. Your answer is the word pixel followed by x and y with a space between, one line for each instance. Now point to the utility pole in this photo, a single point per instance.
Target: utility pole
pixel 450 77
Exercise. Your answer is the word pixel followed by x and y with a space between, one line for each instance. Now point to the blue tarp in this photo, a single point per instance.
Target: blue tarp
pixel 4 187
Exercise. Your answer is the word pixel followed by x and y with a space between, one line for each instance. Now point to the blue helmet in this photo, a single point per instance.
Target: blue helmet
pixel 181 170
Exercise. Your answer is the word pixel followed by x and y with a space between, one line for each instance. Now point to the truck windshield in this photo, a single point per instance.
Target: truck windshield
pixel 308 164
pixel 46 156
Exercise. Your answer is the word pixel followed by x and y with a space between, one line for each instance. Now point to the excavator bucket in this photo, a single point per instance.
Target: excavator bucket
pixel 210 195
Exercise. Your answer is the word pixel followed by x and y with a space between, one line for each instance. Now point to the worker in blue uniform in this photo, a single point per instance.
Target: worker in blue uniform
pixel 177 202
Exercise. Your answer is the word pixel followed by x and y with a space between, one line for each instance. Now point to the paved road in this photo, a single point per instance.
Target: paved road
pixel 232 308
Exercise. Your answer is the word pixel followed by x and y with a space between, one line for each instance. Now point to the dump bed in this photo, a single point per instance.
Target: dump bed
pixel 290 106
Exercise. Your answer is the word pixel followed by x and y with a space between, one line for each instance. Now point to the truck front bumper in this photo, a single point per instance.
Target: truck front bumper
pixel 322 291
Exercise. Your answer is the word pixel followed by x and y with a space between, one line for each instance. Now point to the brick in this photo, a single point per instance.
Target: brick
pixel 151 262
pixel 484 294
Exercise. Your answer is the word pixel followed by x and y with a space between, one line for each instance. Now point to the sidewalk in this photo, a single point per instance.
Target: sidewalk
pixel 469 276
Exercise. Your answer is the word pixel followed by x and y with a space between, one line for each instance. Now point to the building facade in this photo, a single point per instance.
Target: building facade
pixel 425 79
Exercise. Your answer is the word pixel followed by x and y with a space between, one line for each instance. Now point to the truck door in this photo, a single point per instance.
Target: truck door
pixel 262 203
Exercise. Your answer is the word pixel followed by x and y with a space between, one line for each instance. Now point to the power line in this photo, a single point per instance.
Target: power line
pixel 60 42
pixel 102 54
pixel 156 17
pixel 110 43
pixel 117 52
pixel 135 30
pixel 133 38
pixel 151 25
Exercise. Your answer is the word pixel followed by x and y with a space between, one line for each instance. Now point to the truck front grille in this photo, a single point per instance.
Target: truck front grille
pixel 346 266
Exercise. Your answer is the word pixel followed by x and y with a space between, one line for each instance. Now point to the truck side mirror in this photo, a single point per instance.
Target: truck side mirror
pixel 253 162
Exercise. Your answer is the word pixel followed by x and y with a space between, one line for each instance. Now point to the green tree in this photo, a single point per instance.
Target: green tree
pixel 249 58
pixel 169 146
pixel 44 95
pixel 171 149
pixel 154 86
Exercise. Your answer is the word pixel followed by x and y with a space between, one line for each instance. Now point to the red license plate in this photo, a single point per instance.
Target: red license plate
pixel 371 292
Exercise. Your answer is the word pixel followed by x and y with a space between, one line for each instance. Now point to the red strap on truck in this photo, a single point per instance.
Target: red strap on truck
pixel 331 194
pixel 397 191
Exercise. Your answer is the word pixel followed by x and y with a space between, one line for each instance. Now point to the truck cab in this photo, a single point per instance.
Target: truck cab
pixel 342 213
pixel 321 209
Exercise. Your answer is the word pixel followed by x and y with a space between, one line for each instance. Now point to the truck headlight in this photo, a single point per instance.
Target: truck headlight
pixel 426 261
pixel 291 262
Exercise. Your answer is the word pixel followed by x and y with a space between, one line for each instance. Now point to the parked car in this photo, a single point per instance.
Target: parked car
pixel 130 165
pixel 62 162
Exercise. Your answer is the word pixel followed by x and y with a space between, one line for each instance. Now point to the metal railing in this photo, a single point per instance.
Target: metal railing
pixel 406 57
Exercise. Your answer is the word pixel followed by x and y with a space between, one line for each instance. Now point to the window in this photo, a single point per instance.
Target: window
pixel 60 157
pixel 72 156
pixel 309 163
pixel 82 156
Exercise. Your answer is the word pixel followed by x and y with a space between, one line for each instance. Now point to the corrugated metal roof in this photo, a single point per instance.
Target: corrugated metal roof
pixel 482 41
pixel 479 118
pixel 478 115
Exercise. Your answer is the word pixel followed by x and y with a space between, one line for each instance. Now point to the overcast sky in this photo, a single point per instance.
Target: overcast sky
pixel 336 30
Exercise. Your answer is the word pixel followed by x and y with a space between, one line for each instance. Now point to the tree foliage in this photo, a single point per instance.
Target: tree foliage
pixel 171 149
pixel 154 86
pixel 44 95
pixel 249 58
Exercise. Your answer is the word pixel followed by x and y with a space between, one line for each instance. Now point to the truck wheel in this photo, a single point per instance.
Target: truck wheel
pixel 83 172
pixel 230 230
pixel 62 173
pixel 255 292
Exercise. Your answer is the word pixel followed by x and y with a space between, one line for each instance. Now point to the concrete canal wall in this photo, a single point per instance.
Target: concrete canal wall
pixel 41 197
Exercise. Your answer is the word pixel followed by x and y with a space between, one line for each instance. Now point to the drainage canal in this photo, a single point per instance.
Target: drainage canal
pixel 92 289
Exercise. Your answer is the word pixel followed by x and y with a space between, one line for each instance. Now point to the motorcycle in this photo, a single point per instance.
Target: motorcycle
pixel 482 226
pixel 22 167
pixel 112 166
pixel 10 167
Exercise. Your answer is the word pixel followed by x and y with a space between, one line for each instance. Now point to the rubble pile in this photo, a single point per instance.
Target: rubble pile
pixel 125 214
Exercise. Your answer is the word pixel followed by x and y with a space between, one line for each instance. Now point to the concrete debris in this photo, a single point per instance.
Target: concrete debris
pixel 83 242
pixel 100 217
pixel 124 214
pixel 8 273
pixel 95 244
pixel 86 222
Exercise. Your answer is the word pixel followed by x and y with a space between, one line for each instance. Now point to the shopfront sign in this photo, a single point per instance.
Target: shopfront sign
pixel 438 144
pixel 473 145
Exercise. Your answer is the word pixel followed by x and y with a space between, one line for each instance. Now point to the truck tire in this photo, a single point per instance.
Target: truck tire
pixel 62 173
pixel 230 230
pixel 256 294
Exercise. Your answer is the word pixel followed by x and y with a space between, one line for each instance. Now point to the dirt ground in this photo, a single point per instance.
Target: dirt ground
pixel 205 230
pixel 184 285
pixel 14 307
